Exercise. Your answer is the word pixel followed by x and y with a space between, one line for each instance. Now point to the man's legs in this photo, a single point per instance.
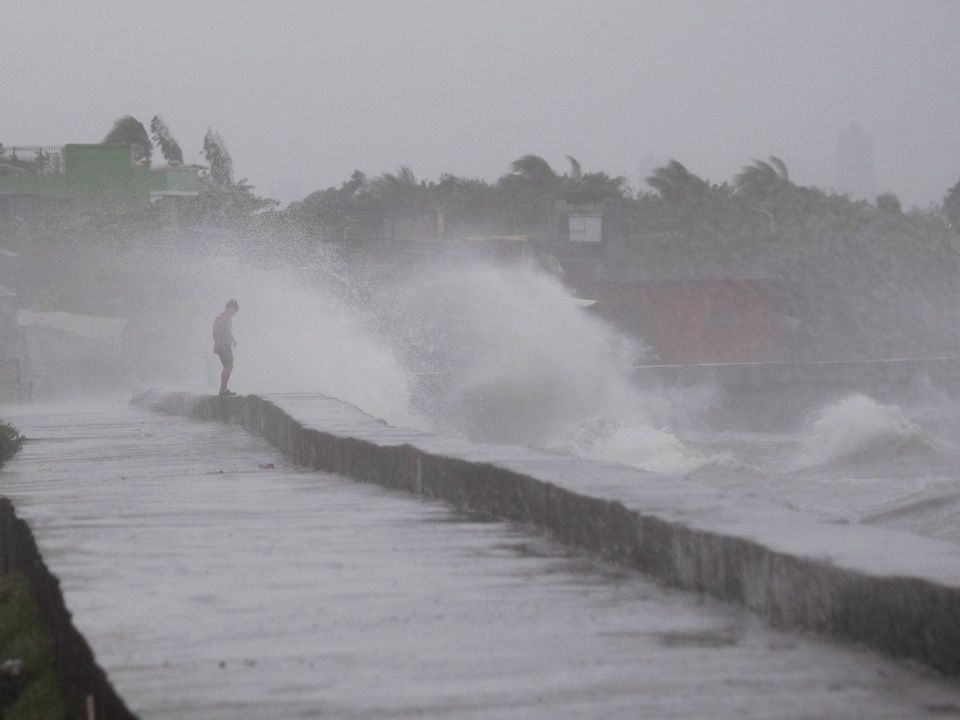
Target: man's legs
pixel 225 375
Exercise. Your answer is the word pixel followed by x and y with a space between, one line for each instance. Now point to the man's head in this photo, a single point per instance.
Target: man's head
pixel 232 306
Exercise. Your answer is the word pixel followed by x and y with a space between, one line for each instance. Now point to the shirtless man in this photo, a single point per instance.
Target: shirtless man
pixel 223 343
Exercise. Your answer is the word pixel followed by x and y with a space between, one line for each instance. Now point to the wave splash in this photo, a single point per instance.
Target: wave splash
pixel 514 358
pixel 854 428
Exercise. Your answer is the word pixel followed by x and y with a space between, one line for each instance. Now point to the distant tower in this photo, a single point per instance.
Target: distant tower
pixel 855 163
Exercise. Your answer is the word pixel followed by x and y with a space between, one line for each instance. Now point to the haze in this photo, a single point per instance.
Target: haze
pixel 304 93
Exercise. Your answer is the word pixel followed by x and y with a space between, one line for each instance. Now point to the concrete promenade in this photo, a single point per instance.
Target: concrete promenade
pixel 897 592
pixel 213 579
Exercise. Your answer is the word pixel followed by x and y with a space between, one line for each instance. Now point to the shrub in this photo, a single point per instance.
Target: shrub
pixel 10 441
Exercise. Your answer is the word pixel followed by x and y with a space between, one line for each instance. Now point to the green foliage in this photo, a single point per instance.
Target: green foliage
pixel 331 209
pixel 871 280
pixel 224 201
pixel 169 147
pixel 764 180
pixel 10 441
pixel 218 159
pixel 34 693
pixel 676 184
pixel 534 169
pixel 397 194
pixel 951 206
pixel 130 131
pixel 889 203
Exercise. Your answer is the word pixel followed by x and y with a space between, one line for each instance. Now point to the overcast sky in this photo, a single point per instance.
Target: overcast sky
pixel 304 92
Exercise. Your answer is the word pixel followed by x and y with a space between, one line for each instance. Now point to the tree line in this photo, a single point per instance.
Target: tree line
pixel 760 204
pixel 879 280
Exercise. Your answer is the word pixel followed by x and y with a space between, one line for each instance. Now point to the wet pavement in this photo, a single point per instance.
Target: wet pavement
pixel 213 579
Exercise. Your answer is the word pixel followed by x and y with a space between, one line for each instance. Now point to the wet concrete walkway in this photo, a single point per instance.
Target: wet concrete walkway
pixel 215 580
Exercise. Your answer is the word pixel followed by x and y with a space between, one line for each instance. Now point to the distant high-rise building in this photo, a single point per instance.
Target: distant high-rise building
pixel 855 163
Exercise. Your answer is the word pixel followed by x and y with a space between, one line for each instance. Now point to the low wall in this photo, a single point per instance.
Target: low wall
pixel 898 593
pixel 84 684
pixel 852 374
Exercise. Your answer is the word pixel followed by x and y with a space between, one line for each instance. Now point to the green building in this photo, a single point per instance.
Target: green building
pixel 88 176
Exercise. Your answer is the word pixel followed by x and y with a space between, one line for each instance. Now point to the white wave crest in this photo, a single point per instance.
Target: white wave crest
pixel 855 426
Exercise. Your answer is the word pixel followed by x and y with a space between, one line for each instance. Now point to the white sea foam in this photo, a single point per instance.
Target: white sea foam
pixel 638 444
pixel 855 426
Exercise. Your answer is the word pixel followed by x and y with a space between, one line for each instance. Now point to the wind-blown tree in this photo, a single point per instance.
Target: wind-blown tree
pixel 526 193
pixel 889 203
pixel 218 159
pixel 470 206
pixel 576 186
pixel 531 188
pixel 130 131
pixel 676 184
pixel 763 180
pixel 951 206
pixel 533 169
pixel 593 187
pixel 221 197
pixel 329 210
pixel 163 138
pixel 684 206
pixel 398 192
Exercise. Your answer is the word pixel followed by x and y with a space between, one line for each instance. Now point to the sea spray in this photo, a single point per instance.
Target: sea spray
pixel 854 426
pixel 507 354
pixel 520 360
pixel 468 347
pixel 297 331
pixel 635 442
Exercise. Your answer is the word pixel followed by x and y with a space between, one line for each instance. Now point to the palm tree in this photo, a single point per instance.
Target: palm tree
pixel 398 192
pixel 130 131
pixel 534 169
pixel 169 147
pixel 763 180
pixel 675 183
pixel 219 160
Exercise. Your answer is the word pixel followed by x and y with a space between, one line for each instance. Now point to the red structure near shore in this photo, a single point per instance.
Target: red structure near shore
pixel 701 320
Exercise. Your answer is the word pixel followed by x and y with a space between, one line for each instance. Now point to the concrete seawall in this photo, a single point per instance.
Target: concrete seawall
pixel 82 681
pixel 893 591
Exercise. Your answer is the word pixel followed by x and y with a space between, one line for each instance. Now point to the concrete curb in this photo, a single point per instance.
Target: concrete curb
pixel 908 606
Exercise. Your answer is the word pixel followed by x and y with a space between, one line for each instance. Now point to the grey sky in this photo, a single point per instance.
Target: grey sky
pixel 304 92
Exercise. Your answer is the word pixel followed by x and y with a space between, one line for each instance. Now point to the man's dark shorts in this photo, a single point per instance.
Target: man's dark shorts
pixel 225 353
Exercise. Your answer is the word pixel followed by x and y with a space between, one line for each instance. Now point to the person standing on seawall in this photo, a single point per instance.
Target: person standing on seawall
pixel 224 342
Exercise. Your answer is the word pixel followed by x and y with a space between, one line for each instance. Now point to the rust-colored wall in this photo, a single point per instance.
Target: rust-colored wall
pixel 698 321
